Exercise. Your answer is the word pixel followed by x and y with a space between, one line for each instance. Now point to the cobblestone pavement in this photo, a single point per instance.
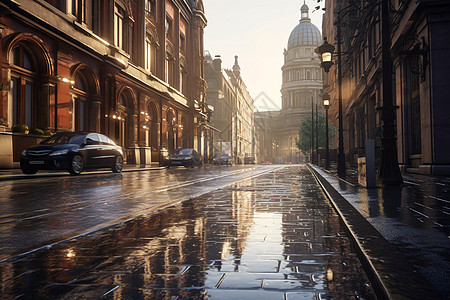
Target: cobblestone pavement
pixel 270 237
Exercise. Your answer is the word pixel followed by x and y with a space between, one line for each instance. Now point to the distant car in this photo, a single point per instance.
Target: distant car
pixel 74 152
pixel 222 159
pixel 186 157
pixel 249 159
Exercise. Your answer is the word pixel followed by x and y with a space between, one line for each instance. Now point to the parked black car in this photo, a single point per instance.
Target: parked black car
pixel 222 159
pixel 74 152
pixel 186 157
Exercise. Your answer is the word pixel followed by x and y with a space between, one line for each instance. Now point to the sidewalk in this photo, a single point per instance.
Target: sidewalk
pixel 412 220
pixel 14 174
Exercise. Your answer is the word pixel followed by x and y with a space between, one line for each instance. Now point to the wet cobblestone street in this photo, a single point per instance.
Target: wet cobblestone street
pixel 274 236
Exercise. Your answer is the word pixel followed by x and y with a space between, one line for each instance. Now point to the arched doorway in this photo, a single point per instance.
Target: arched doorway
pixel 184 130
pixel 171 131
pixel 86 101
pixel 28 97
pixel 125 120
pixel 153 131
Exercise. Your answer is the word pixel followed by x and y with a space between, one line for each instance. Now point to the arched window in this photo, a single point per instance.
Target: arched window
pixel 123 100
pixel 87 12
pixel 125 133
pixel 81 106
pixel 119 15
pixel 308 74
pixel 122 25
pixel 171 131
pixel 153 132
pixel 86 101
pixel 150 53
pixel 24 86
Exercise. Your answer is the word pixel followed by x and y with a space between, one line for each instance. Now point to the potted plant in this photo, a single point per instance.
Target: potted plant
pixel 37 131
pixel 22 128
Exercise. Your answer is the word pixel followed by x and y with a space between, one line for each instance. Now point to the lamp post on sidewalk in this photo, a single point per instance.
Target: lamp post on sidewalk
pixel 312 130
pixel 389 172
pixel 326 103
pixel 325 51
pixel 317 135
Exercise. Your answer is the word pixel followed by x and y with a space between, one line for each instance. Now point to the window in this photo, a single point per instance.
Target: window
pixel 56 3
pixel 105 140
pixel 170 70
pixel 123 100
pixel 297 100
pixel 169 27
pixel 119 15
pixel 415 120
pixel 182 43
pixel 94 137
pixel 22 89
pixel 183 80
pixel 79 10
pixel 148 53
pixel 80 113
pixel 150 8
pixel 81 106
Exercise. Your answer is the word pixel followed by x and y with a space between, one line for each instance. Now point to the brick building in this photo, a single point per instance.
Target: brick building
pixel 132 69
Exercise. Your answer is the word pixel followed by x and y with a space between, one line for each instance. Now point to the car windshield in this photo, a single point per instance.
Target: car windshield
pixel 183 151
pixel 65 138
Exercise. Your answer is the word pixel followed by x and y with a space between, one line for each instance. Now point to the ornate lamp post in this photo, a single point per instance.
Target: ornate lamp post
pixel 325 51
pixel 389 172
pixel 326 103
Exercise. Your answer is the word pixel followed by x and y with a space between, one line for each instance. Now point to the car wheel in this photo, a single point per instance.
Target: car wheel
pixel 76 165
pixel 118 164
pixel 28 170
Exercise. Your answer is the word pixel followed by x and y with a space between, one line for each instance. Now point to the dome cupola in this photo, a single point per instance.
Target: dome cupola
pixel 305 33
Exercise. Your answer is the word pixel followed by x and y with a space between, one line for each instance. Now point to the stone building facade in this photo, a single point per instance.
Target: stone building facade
pixel 233 110
pixel 419 50
pixel 132 69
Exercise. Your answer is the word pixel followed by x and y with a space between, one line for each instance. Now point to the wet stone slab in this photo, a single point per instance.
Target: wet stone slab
pixel 270 237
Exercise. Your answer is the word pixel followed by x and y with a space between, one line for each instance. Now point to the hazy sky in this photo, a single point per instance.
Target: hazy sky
pixel 257 31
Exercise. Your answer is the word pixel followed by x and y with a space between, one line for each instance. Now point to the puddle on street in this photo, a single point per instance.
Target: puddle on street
pixel 272 237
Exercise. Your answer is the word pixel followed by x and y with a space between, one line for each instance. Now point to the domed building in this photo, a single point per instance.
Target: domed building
pixel 301 86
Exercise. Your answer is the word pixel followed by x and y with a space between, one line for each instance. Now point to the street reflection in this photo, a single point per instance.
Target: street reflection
pixel 253 239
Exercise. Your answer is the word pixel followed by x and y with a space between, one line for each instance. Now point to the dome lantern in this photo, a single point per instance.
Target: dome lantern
pixel 304 13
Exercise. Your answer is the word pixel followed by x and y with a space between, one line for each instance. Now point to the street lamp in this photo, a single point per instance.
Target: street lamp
pixel 325 51
pixel 326 103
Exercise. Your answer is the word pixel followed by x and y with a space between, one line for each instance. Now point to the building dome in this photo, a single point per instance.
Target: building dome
pixel 305 33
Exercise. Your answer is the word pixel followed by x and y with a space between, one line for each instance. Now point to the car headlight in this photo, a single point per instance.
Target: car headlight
pixel 187 158
pixel 59 152
pixel 24 152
